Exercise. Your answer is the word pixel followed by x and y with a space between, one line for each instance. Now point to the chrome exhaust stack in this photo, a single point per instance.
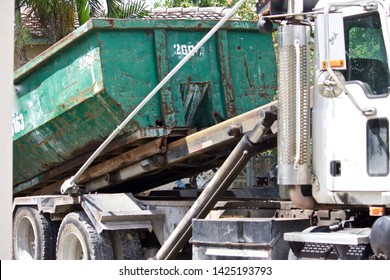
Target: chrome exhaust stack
pixel 294 106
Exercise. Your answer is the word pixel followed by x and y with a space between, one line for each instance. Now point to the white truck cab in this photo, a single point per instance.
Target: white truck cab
pixel 351 130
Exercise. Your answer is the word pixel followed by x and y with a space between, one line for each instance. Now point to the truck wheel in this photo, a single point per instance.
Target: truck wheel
pixel 291 255
pixel 79 240
pixel 126 244
pixel 33 235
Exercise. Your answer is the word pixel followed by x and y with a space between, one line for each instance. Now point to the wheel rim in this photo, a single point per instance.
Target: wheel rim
pixel 26 239
pixel 73 248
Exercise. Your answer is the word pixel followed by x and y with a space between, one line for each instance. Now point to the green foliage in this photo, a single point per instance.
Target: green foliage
pixel 366 43
pixel 132 9
pixel 364 38
pixel 246 12
pixel 83 11
pixel 22 38
pixel 57 17
pixel 113 7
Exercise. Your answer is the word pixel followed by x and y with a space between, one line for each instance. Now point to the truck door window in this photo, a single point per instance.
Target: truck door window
pixel 378 147
pixel 366 53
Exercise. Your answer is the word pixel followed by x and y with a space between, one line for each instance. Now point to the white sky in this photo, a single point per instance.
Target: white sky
pixel 150 3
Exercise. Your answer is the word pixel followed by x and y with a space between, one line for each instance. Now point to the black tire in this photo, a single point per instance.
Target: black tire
pixel 291 256
pixel 33 235
pixel 79 240
pixel 126 244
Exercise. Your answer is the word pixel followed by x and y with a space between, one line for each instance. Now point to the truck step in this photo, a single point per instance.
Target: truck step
pixel 338 238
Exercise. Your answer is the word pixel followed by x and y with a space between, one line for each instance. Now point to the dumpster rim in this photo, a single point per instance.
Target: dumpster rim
pixel 110 23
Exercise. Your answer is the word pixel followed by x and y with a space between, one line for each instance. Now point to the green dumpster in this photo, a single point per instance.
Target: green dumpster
pixel 72 96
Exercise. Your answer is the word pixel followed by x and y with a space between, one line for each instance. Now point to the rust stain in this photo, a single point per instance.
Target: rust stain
pixel 226 75
pixel 132 78
pixel 218 117
pixel 247 74
pixel 48 190
pixel 86 148
pixel 232 109
pixel 149 33
pixel 111 22
pixel 82 94
pixel 70 85
pixel 159 70
pixel 165 107
pixel 154 147
pixel 93 114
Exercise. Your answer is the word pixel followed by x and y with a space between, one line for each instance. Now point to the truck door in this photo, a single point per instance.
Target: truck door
pixel 355 147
